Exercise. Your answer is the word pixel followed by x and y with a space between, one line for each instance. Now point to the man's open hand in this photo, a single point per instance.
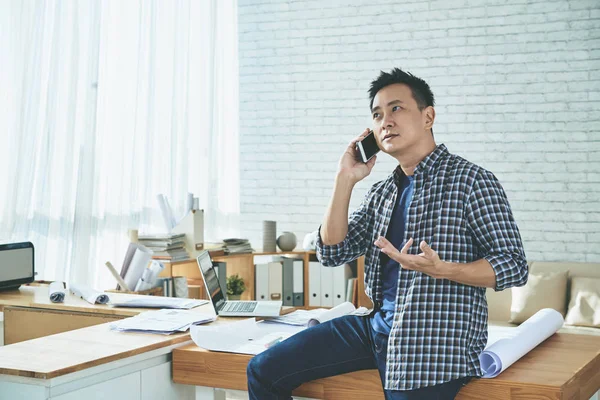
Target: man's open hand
pixel 427 262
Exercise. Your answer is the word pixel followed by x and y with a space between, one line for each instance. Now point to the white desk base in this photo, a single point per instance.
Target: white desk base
pixel 146 376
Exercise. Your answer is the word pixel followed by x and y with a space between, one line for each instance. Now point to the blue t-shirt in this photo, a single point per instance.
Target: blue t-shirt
pixel 382 321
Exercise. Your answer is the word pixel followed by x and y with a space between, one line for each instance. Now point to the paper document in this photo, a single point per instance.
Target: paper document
pixel 313 317
pixel 57 292
pixel 245 337
pixel 162 321
pixel 513 343
pixel 141 301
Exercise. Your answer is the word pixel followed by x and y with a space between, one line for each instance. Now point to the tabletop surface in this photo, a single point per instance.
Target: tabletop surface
pixel 56 355
pixel 563 366
pixel 38 297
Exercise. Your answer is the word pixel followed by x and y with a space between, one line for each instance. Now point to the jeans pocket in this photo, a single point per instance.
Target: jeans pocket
pixel 381 342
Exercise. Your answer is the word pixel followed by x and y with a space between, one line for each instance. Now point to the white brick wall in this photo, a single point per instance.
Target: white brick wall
pixel 517 86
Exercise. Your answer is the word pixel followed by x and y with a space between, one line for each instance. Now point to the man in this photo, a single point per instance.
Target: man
pixel 435 234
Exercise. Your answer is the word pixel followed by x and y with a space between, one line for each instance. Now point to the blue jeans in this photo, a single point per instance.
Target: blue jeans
pixel 334 347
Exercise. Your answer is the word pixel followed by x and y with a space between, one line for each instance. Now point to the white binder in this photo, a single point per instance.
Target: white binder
pixel 314 283
pixel 262 282
pixel 275 281
pixel 326 286
pixel 341 275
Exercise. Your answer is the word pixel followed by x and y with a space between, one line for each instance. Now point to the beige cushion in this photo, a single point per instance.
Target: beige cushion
pixel 584 307
pixel 543 290
pixel 498 304
pixel 588 270
pixel 585 269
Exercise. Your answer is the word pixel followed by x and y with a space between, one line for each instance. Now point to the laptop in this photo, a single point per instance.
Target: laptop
pixel 225 308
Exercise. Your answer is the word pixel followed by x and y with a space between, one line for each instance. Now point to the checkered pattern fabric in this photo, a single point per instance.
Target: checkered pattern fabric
pixel 461 211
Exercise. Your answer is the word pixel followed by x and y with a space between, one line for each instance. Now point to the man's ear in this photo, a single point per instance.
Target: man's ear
pixel 429 117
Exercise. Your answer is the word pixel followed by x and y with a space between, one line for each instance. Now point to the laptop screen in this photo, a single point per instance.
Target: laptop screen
pixel 211 280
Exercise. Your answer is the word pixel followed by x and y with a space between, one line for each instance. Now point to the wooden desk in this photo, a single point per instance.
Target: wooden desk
pixel 29 314
pixel 93 363
pixel 565 366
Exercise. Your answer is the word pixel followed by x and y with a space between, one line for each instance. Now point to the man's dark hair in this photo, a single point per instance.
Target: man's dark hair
pixel 420 89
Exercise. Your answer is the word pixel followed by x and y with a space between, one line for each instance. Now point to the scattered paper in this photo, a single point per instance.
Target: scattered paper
pixel 511 344
pixel 163 322
pixel 245 337
pixel 318 315
pixel 142 301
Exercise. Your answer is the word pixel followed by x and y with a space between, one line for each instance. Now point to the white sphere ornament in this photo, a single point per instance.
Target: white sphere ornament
pixel 310 241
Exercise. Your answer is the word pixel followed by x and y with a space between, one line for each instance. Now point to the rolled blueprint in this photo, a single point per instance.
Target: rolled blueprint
pixel 57 292
pixel 88 294
pixel 519 341
pixel 138 264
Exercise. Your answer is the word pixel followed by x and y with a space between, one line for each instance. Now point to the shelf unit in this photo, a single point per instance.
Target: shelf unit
pixel 243 265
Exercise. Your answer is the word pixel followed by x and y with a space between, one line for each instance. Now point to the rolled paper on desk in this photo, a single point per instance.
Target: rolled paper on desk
pixel 88 294
pixel 138 264
pixel 57 292
pixel 150 275
pixel 516 342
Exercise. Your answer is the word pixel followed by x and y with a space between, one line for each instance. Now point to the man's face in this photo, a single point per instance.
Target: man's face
pixel 398 123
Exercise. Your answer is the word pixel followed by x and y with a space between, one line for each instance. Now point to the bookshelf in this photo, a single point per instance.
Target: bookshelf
pixel 243 265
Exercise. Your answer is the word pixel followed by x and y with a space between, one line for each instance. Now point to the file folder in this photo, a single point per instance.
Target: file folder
pixel 288 281
pixel 262 281
pixel 298 287
pixel 314 283
pixel 275 281
pixel 341 275
pixel 326 286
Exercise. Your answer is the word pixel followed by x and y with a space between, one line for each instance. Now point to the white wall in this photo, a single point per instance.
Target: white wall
pixel 517 86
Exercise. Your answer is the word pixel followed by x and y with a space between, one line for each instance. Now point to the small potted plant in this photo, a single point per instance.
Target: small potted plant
pixel 235 287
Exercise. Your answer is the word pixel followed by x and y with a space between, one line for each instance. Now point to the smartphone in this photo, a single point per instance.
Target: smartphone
pixel 367 147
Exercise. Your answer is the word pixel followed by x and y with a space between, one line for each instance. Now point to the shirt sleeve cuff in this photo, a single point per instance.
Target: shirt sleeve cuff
pixel 509 272
pixel 328 255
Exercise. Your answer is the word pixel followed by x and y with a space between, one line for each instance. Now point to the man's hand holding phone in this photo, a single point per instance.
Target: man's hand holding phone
pixel 352 165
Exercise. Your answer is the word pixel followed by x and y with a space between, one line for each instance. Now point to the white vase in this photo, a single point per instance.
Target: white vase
pixel 269 235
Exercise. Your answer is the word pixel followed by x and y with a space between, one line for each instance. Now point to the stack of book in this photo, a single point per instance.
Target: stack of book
pixel 166 247
pixel 237 246
pixel 215 249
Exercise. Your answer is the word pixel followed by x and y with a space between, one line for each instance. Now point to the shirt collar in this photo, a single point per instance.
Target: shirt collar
pixel 426 165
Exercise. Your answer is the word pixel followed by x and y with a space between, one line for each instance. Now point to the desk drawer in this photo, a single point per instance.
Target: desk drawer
pixel 22 324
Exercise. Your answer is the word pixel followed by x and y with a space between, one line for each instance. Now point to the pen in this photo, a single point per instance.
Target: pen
pixel 274 342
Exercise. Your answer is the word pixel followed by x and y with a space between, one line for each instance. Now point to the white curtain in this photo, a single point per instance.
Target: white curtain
pixel 104 105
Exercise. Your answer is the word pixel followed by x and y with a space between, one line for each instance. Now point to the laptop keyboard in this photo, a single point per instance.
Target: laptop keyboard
pixel 240 306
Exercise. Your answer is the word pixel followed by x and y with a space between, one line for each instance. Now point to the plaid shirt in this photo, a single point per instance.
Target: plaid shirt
pixel 461 211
